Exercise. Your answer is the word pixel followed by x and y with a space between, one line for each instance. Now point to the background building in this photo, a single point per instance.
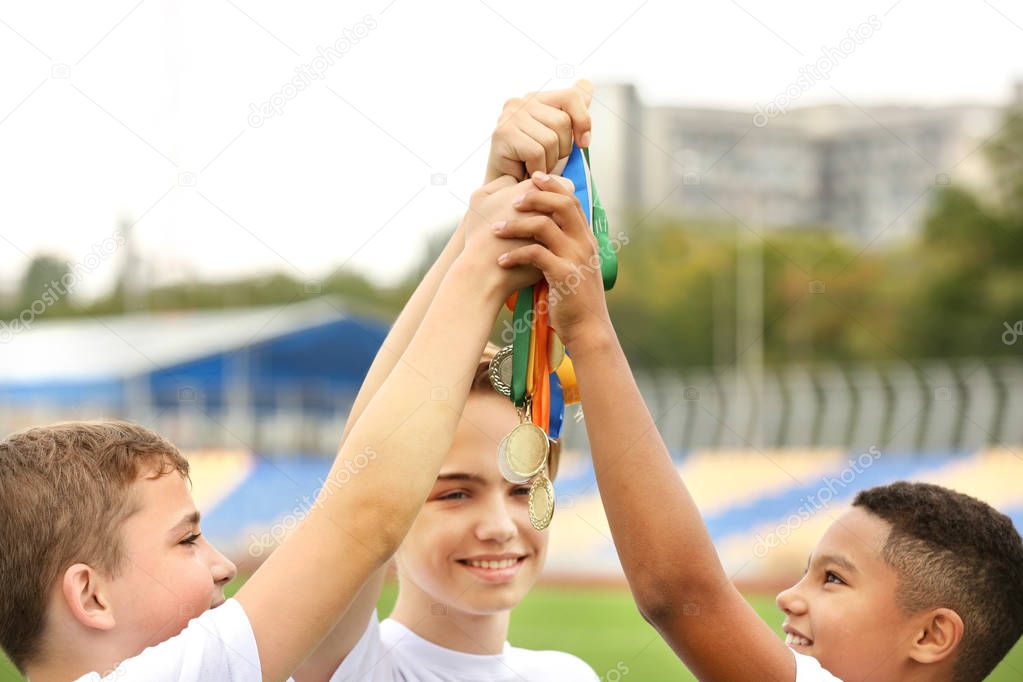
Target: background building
pixel 864 171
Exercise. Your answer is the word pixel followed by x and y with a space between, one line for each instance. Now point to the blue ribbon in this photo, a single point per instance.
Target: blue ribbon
pixel 557 407
pixel 575 170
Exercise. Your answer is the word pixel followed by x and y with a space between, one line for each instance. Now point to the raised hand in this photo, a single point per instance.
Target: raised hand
pixel 558 242
pixel 494 203
pixel 535 131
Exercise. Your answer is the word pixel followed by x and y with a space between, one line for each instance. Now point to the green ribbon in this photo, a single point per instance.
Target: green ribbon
pixel 521 329
pixel 608 257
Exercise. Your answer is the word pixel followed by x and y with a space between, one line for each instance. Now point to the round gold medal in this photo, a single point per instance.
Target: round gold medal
pixel 501 371
pixel 541 502
pixel 502 465
pixel 526 450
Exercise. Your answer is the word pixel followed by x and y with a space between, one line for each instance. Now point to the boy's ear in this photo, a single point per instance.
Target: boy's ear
pixel 940 634
pixel 84 592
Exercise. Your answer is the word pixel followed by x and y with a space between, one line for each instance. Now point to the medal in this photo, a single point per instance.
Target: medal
pixel 523 453
pixel 526 450
pixel 501 371
pixel 535 371
pixel 541 502
pixel 502 465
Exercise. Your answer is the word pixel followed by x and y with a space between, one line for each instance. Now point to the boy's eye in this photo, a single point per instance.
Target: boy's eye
pixel 832 577
pixel 521 490
pixel 454 495
pixel 190 540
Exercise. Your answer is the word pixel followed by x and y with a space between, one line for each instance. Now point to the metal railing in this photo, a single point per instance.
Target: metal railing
pixel 930 406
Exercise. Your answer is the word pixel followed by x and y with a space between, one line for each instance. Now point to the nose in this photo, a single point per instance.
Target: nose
pixel 496 523
pixel 791 601
pixel 222 569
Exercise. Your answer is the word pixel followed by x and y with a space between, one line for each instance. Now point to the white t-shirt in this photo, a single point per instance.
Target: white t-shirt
pixel 808 669
pixel 390 652
pixel 218 645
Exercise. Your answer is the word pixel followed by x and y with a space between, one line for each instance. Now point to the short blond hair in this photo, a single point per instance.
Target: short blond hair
pixel 64 494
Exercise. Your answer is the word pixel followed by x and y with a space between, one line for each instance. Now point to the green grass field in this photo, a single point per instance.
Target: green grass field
pixel 603 627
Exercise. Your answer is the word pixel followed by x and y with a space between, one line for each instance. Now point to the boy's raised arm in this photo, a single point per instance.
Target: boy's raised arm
pixel 389 459
pixel 345 635
pixel 511 130
pixel 669 559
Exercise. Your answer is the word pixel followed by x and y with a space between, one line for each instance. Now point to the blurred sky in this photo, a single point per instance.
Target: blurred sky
pixel 140 111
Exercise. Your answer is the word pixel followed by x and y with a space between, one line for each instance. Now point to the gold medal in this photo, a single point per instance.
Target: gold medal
pixel 523 453
pixel 541 502
pixel 501 371
pixel 502 465
pixel 555 351
pixel 526 450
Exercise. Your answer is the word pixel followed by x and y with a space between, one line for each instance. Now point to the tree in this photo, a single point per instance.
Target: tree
pixel 45 285
pixel 1005 155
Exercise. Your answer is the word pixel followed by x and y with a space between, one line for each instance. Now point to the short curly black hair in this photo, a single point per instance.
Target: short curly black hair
pixel 955 551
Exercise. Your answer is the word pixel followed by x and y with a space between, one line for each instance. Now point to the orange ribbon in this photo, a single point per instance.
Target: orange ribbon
pixel 542 366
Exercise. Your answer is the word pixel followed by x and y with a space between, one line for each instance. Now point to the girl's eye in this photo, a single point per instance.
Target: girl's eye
pixel 190 540
pixel 521 490
pixel 832 577
pixel 454 495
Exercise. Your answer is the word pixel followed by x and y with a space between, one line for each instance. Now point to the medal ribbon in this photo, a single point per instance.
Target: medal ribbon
pixel 522 333
pixel 608 257
pixel 541 367
pixel 550 391
pixel 557 407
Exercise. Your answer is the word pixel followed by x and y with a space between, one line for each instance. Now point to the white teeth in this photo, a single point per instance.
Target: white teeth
pixel 796 640
pixel 504 563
